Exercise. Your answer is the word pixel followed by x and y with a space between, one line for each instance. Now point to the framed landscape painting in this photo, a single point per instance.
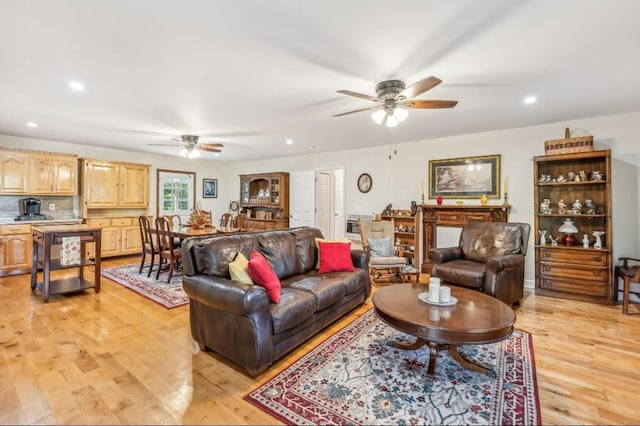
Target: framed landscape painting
pixel 469 177
pixel 209 188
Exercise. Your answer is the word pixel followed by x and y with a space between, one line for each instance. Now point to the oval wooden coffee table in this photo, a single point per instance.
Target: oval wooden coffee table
pixel 476 319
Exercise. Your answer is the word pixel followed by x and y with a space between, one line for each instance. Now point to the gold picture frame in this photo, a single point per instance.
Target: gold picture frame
pixel 467 177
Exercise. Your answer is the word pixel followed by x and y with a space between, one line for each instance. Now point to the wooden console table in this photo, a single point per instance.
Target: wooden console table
pixel 44 237
pixel 453 216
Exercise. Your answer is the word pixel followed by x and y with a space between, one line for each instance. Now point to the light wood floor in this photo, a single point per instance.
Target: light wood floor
pixel 118 358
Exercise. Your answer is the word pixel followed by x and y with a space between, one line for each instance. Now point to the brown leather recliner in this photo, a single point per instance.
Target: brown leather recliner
pixel 489 258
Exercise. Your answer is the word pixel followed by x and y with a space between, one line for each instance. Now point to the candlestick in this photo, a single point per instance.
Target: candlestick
pixel 506 184
pixel 506 203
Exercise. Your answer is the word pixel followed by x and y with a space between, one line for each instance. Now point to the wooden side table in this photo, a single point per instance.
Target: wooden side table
pixel 44 237
pixel 407 272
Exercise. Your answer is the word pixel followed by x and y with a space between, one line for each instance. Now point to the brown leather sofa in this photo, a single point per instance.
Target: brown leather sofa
pixel 239 322
pixel 489 258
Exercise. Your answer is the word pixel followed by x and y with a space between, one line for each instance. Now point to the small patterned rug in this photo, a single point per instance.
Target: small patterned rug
pixel 356 377
pixel 169 295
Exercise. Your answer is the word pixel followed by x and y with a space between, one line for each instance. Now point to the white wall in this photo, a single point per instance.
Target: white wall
pixel 397 180
pixel 203 169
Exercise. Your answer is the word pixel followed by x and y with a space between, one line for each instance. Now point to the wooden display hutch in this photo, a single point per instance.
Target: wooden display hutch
pixel 407 230
pixel 264 200
pixel 572 271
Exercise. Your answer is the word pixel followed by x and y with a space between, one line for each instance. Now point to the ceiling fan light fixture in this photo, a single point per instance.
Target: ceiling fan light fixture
pixel 378 116
pixel 193 153
pixel 391 121
pixel 183 152
pixel 400 114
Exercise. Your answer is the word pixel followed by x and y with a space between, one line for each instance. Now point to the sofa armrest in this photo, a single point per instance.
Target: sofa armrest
pixel 360 258
pixel 447 254
pixel 226 295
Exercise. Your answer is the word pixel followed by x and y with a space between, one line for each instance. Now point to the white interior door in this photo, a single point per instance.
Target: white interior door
pixel 324 203
pixel 339 218
pixel 301 198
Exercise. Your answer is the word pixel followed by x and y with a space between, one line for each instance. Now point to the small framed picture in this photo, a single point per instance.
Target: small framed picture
pixel 209 188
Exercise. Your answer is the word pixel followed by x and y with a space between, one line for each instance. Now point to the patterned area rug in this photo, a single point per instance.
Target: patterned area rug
pixel 356 377
pixel 168 295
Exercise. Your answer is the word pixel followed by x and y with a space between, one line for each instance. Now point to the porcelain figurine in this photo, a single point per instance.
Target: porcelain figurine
pixel 590 208
pixel 560 179
pixel 571 176
pixel 543 238
pixel 598 235
pixel 585 241
pixel 545 206
pixel 583 176
pixel 562 206
pixel 576 207
pixel 554 241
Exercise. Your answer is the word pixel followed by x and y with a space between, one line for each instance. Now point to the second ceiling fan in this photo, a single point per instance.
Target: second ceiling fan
pixel 394 97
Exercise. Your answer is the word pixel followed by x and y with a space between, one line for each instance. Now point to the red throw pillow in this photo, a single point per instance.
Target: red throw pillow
pixel 261 273
pixel 335 257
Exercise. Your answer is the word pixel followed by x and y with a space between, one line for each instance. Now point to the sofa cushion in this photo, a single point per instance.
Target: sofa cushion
pixel 279 248
pixel 211 256
pixel 318 240
pixel 480 242
pixel 295 307
pixel 261 273
pixel 326 289
pixel 380 247
pixel 238 269
pixel 306 247
pixel 462 272
pixel 335 257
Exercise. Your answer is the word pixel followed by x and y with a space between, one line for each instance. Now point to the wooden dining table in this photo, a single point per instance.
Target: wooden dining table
pixel 186 232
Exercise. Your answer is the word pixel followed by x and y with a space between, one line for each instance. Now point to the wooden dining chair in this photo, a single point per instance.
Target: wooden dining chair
pixel 227 221
pixel 629 271
pixel 175 222
pixel 168 251
pixel 149 244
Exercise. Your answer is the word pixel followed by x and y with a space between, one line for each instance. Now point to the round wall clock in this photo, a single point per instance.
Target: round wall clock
pixel 364 182
pixel 234 206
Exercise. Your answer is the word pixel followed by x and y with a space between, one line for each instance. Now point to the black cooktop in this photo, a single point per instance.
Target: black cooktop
pixel 33 217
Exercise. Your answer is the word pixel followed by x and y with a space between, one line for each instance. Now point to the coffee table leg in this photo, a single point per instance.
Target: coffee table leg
pixel 433 356
pixel 468 363
pixel 420 342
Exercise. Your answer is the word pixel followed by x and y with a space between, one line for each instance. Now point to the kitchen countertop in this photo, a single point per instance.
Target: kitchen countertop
pixel 12 221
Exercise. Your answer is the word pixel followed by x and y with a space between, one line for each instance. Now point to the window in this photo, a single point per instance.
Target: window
pixel 176 193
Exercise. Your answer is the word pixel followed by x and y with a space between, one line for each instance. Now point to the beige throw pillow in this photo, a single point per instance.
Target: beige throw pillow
pixel 238 269
pixel 341 240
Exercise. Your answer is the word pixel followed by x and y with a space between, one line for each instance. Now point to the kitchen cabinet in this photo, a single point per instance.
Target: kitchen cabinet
pixel 264 199
pixel 14 172
pixel 15 249
pixel 53 175
pixel 107 184
pixel 120 236
pixel 567 267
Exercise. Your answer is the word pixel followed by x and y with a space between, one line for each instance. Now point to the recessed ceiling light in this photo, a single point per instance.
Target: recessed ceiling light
pixel 289 141
pixel 529 100
pixel 32 124
pixel 76 86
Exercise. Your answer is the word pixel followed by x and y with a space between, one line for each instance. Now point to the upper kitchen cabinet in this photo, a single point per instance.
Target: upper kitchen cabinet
pixel 55 175
pixel 38 172
pixel 14 172
pixel 109 184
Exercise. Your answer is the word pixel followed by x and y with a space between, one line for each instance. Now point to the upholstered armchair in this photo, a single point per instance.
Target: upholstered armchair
pixel 489 258
pixel 384 257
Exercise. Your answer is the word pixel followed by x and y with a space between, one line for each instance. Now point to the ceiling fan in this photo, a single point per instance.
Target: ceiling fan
pixel 191 146
pixel 394 97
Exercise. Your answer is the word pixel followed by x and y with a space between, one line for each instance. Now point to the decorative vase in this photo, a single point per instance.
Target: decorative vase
pixel 439 200
pixel 484 199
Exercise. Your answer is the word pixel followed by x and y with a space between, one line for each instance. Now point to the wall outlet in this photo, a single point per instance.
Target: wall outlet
pixel 52 206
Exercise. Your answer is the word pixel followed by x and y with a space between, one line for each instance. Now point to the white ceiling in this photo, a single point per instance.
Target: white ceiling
pixel 254 73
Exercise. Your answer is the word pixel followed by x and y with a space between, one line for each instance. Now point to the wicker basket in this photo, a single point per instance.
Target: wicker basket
pixel 568 145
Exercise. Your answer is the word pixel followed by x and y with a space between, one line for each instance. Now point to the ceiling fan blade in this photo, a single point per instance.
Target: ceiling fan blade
pixel 428 104
pixel 211 145
pixel 358 95
pixel 357 110
pixel 208 149
pixel 420 87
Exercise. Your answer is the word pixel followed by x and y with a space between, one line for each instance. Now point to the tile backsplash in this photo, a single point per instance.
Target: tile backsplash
pixel 65 206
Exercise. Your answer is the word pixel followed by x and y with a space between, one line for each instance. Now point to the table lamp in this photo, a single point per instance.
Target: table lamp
pixel 568 229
